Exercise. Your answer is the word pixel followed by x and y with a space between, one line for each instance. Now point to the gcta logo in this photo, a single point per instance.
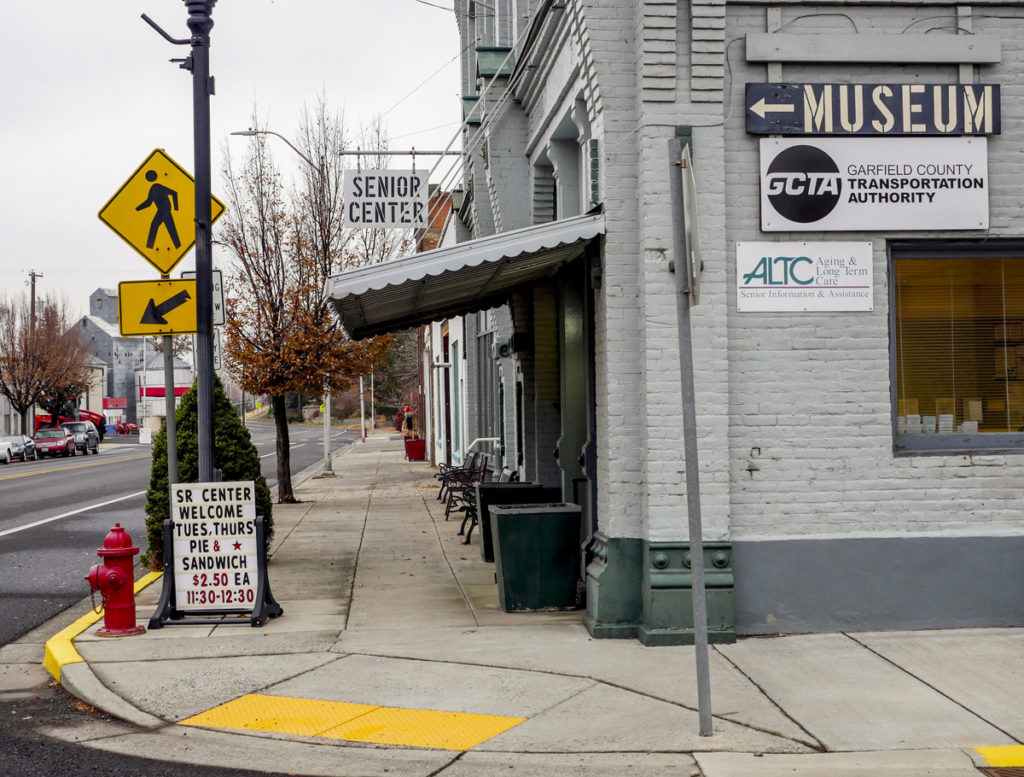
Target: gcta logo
pixel 804 184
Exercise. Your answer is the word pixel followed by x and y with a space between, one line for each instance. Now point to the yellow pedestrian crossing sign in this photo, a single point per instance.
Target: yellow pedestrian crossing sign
pixel 166 307
pixel 154 211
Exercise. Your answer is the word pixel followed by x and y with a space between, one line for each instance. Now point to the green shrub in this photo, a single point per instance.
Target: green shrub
pixel 233 453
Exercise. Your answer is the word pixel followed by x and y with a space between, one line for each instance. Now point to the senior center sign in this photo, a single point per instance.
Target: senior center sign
pixel 874 184
pixel 386 199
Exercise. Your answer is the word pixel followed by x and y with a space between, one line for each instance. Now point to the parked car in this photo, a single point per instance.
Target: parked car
pixel 22 446
pixel 55 442
pixel 6 451
pixel 87 436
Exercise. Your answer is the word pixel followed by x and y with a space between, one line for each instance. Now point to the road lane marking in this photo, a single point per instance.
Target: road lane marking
pixel 71 466
pixel 69 514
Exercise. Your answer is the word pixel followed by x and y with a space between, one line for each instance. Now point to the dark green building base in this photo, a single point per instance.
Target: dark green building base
pixel 642 589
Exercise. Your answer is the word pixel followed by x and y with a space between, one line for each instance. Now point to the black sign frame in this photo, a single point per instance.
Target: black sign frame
pixel 916 110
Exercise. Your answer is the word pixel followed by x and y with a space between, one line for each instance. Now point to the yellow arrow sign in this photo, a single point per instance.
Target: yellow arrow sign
pixel 154 211
pixel 157 307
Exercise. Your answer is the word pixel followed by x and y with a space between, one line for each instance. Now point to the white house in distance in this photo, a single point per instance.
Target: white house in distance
pixel 853 202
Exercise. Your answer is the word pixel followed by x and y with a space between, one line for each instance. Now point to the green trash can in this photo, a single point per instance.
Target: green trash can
pixel 536 555
pixel 489 494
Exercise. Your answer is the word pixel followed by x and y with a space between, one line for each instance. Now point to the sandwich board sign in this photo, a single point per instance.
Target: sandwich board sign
pixel 215 556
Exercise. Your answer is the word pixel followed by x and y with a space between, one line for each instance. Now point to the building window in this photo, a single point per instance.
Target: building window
pixel 957 333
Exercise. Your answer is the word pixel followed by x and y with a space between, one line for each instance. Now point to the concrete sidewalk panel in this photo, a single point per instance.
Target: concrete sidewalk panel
pixel 982 669
pixel 895 763
pixel 480 764
pixel 604 718
pixel 432 685
pixel 851 699
pixel 567 649
pixel 177 642
pixel 177 689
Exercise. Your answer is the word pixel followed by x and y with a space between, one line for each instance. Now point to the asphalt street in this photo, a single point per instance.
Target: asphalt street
pixel 54 514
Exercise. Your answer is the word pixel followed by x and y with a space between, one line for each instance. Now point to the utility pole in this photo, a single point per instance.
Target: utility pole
pixel 32 275
pixel 200 22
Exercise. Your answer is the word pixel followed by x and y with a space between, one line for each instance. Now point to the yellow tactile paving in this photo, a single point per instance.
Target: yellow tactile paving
pixel 1004 755
pixel 282 714
pixel 423 728
pixel 355 722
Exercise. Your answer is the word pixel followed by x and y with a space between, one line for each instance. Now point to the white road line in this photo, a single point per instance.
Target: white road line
pixel 69 514
pixel 268 454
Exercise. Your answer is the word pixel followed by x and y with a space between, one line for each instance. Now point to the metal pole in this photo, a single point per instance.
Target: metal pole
pixel 362 412
pixel 373 404
pixel 200 23
pixel 328 471
pixel 172 427
pixel 683 290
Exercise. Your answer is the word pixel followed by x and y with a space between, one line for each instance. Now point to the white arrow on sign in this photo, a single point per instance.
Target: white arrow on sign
pixel 761 107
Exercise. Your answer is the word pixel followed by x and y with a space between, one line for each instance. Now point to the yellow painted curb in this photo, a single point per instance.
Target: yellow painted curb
pixel 59 649
pixel 1003 755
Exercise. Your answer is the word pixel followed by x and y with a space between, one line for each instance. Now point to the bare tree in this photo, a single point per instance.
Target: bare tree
pixel 42 358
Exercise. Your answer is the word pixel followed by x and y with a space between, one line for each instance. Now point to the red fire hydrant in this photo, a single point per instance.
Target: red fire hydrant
pixel 114 579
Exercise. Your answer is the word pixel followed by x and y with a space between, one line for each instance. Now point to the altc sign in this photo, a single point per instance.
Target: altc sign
pixel 873 109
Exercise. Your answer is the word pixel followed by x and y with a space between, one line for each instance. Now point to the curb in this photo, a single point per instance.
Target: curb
pixel 60 651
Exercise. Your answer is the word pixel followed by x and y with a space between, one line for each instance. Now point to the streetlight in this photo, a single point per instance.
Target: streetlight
pixel 328 471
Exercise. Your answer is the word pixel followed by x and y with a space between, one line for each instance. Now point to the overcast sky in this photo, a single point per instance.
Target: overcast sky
pixel 88 93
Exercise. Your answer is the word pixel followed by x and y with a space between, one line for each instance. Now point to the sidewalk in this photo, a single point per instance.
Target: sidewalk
pixel 392 657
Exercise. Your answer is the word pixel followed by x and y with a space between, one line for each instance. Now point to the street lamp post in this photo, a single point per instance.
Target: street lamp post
pixel 327 471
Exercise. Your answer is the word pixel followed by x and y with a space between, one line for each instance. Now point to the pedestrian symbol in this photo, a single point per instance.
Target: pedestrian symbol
pixel 154 211
pixel 160 197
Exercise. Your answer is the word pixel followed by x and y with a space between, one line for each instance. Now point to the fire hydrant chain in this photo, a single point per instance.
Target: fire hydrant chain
pixel 103 601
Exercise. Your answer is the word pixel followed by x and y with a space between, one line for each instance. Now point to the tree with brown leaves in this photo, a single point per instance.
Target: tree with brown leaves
pixel 281 333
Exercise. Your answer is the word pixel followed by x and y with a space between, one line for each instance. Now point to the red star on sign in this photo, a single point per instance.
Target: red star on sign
pixel 238 546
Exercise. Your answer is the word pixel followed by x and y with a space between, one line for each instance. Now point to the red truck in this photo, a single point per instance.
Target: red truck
pixel 43 420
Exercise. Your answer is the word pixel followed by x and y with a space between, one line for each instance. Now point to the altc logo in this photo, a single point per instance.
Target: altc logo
pixel 804 184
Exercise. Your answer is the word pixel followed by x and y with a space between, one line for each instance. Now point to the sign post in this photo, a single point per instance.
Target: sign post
pixel 684 299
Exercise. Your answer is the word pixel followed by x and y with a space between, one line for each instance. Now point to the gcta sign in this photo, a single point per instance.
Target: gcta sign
pixel 873 184
pixel 782 277
pixel 386 199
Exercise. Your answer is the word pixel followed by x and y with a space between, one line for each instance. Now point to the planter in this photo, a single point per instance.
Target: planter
pixel 537 555
pixel 489 495
pixel 415 449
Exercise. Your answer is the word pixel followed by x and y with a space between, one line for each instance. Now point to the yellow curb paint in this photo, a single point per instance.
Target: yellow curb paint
pixel 60 651
pixel 1003 755
pixel 355 722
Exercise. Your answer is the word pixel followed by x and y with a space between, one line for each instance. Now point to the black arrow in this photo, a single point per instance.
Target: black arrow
pixel 155 313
